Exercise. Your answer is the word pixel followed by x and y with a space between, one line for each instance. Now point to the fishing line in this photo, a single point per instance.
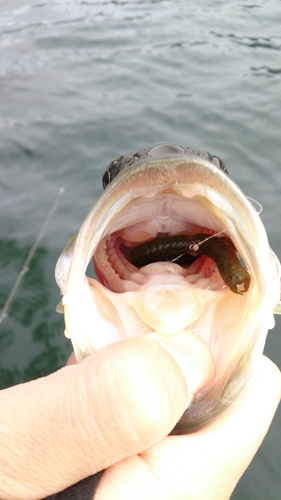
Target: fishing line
pixel 256 204
pixel 195 246
pixel 25 267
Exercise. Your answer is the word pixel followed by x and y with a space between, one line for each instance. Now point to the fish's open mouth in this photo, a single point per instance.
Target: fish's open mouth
pixel 117 270
pixel 165 296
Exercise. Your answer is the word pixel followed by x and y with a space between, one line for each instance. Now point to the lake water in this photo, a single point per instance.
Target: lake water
pixel 83 82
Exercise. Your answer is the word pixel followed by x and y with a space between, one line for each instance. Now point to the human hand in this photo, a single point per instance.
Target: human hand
pixel 114 410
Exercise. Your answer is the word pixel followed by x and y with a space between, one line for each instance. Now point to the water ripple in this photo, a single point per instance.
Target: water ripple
pixel 266 71
pixel 252 41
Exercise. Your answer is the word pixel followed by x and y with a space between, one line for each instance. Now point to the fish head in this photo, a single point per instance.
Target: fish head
pixel 169 191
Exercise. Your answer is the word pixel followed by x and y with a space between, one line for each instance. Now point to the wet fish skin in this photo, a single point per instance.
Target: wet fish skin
pixel 172 180
pixel 125 162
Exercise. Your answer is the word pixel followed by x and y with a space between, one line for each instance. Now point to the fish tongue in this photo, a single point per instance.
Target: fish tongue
pixel 168 307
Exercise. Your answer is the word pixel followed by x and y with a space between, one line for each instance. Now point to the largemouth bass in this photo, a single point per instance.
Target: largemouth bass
pixel 177 247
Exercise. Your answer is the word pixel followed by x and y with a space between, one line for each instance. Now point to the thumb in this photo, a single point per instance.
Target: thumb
pixel 83 418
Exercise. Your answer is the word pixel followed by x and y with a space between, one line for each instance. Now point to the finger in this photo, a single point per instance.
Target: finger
pixel 85 417
pixel 206 464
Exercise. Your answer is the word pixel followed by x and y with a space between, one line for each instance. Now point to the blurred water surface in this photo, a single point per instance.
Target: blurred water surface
pixel 82 82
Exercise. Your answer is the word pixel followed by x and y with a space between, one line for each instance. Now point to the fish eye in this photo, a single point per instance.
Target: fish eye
pixel 109 174
pixel 105 179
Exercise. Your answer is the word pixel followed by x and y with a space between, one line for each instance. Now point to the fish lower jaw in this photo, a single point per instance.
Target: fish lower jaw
pixel 181 307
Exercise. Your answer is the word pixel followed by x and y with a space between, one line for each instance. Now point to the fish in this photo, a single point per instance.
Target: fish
pixel 173 193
